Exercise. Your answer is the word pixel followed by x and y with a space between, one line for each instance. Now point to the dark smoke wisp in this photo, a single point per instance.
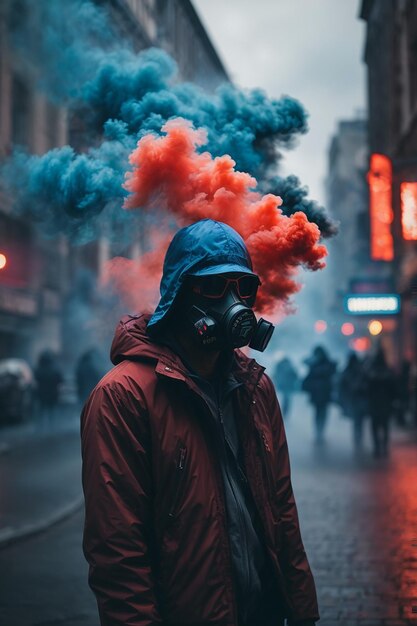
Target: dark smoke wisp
pixel 295 198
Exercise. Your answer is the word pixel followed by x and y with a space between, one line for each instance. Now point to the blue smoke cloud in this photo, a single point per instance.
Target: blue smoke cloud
pixel 124 95
pixel 65 191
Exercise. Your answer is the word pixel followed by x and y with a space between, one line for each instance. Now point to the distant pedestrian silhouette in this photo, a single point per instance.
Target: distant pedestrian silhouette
pixel 48 380
pixel 381 391
pixel 352 393
pixel 319 385
pixel 89 371
pixel 286 382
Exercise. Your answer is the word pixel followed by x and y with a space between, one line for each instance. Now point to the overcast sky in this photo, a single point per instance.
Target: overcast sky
pixel 309 49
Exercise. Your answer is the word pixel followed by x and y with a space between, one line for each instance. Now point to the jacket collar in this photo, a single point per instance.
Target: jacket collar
pixel 132 342
pixel 244 369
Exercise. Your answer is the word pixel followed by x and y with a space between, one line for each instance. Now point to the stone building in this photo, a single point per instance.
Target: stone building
pixel 181 33
pixel 32 282
pixel 347 196
pixel 39 274
pixel 391 59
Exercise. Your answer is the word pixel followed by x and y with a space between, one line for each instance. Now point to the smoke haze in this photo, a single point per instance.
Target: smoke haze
pixel 122 95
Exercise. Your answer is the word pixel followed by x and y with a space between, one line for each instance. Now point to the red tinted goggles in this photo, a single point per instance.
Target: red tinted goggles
pixel 215 286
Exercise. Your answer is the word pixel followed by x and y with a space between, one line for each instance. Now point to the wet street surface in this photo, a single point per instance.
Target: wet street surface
pixel 44 580
pixel 359 524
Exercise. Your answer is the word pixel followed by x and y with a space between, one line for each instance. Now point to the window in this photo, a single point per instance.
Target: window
pixel 21 112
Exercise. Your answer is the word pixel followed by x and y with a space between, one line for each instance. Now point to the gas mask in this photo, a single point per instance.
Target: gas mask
pixel 219 309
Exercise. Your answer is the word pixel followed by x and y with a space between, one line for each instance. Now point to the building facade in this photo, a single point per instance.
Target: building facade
pixel 349 265
pixel 38 275
pixel 391 59
pixel 347 198
pixel 32 278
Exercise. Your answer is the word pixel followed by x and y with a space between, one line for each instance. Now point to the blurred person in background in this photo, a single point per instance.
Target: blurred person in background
pixel 190 512
pixel 286 381
pixel 381 395
pixel 48 379
pixel 352 392
pixel 318 384
pixel 89 370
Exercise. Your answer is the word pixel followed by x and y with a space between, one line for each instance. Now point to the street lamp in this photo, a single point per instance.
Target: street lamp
pixel 375 327
pixel 347 329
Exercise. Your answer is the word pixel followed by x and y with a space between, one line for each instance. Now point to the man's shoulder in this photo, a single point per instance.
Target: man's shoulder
pixel 267 392
pixel 265 384
pixel 128 375
pixel 124 391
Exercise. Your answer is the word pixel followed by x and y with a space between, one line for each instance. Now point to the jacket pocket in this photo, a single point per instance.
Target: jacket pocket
pixel 177 486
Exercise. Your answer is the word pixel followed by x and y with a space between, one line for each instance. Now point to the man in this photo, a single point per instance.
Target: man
pixel 190 514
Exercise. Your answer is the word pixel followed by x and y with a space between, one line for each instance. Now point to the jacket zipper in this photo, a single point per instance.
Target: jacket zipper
pixel 179 476
pixel 222 502
pixel 239 508
pixel 222 507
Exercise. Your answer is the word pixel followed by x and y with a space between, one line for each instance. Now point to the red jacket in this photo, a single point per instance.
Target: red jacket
pixel 155 528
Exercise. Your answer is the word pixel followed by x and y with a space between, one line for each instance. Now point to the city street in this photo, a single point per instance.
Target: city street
pixel 228 168
pixel 359 523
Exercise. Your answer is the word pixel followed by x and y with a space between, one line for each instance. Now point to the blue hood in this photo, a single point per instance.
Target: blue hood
pixel 206 247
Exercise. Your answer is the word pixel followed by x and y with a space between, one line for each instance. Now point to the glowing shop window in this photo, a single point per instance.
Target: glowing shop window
pixel 380 207
pixel 409 210
pixel 368 304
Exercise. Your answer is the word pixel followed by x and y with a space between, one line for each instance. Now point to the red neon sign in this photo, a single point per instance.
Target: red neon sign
pixel 409 210
pixel 380 206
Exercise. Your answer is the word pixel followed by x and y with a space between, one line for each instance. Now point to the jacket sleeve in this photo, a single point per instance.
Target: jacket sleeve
pixel 116 474
pixel 296 569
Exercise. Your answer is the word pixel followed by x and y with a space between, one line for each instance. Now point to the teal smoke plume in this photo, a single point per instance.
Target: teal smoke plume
pixel 122 95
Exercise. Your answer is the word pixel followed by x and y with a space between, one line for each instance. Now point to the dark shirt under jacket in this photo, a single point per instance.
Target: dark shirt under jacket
pixel 257 600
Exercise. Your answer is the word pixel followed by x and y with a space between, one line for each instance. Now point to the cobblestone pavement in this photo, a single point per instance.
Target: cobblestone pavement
pixel 359 523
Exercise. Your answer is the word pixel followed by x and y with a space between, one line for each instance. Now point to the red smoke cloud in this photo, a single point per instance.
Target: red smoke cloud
pixel 168 172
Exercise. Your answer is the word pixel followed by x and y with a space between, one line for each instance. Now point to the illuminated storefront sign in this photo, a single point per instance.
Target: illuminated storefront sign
pixel 409 210
pixel 380 207
pixel 371 304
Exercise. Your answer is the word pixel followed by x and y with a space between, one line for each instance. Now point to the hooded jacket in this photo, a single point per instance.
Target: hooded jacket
pixel 155 529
